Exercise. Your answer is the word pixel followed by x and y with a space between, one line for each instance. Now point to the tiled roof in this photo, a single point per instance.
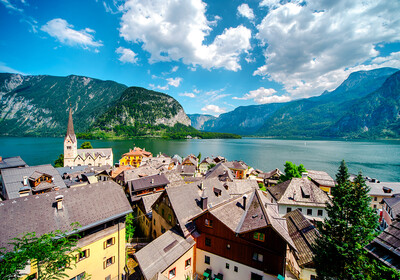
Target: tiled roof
pixel 94 153
pixel 141 171
pixel 239 187
pixel 257 214
pixel 321 178
pixel 394 204
pixel 148 201
pixel 87 205
pixel 186 169
pixel 174 178
pixel 271 173
pixel 386 246
pixel 147 182
pixel 13 178
pixel 380 188
pixel 12 162
pixel 162 252
pixel 70 128
pixel 299 191
pixel 119 170
pixel 304 235
pixel 220 171
pixel 236 165
pixel 208 160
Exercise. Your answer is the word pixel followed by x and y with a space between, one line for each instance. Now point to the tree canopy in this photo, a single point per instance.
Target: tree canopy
pixel 86 145
pixel 292 171
pixel 59 162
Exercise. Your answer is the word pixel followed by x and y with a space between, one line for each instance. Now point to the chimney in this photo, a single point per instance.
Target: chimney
pixel 304 175
pixel 203 204
pixel 201 186
pixel 244 201
pixel 152 181
pixel 59 201
pixel 25 182
pixel 294 195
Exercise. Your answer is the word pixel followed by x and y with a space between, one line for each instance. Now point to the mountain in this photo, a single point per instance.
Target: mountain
pixel 318 116
pixel 38 105
pixel 198 120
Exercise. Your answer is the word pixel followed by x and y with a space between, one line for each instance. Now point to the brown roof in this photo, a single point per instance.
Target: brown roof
pixel 304 235
pixel 70 129
pixel 299 191
pixel 239 187
pixel 139 172
pixel 148 182
pixel 321 178
pixel 236 165
pixel 386 246
pixel 220 171
pixel 133 153
pixel 89 205
pixel 119 170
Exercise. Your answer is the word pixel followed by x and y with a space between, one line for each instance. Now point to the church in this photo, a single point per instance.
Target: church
pixel 77 157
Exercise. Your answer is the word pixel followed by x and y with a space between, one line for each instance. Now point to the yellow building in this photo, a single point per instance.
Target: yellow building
pixel 99 208
pixel 134 157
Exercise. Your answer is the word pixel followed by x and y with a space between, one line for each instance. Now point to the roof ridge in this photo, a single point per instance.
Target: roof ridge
pixel 240 224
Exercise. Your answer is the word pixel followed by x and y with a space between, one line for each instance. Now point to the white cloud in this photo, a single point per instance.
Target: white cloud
pixel 213 109
pixel 64 32
pixel 263 96
pixel 127 55
pixel 271 3
pixel 308 47
pixel 188 94
pixel 5 68
pixel 175 82
pixel 11 6
pixel 152 86
pixel 245 11
pixel 214 95
pixel 175 30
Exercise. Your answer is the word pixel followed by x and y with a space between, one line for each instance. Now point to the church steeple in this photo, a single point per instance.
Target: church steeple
pixel 70 129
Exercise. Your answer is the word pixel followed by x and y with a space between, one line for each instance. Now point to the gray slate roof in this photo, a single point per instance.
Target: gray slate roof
pixel 304 235
pixel 12 162
pixel 148 201
pixel 294 192
pixel 236 165
pixel 378 188
pixel 13 178
pixel 239 187
pixel 87 205
pixel 174 178
pixel 94 153
pixel 186 169
pixel 142 171
pixel 148 182
pixel 394 204
pixel 321 178
pixel 220 171
pixel 162 252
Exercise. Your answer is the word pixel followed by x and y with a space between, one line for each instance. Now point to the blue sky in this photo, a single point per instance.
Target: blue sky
pixel 212 56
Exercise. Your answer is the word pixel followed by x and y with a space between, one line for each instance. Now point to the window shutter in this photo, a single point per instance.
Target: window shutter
pixel 88 253
pixel 105 244
pixel 105 264
pixel 113 240
pixel 113 260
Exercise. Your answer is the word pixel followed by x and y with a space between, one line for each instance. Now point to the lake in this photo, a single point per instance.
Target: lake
pixel 377 159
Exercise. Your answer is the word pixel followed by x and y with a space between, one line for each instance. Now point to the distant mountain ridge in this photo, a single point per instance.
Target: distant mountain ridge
pixel 327 115
pixel 198 120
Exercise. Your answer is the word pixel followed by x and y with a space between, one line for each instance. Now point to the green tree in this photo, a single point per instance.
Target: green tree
pixel 292 171
pixel 52 253
pixel 59 162
pixel 129 226
pixel 199 156
pixel 86 145
pixel 351 224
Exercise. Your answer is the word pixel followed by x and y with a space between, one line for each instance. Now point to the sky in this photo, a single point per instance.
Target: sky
pixel 212 56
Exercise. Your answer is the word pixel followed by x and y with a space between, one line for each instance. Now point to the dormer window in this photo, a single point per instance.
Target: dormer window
pixel 208 223
pixel 259 236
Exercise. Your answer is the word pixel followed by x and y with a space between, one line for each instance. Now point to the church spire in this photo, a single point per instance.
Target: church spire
pixel 70 129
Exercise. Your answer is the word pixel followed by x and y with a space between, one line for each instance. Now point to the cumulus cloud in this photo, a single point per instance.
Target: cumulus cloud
pixel 64 32
pixel 175 82
pixel 175 30
pixel 310 48
pixel 245 11
pixel 152 86
pixel 127 55
pixel 188 94
pixel 263 96
pixel 213 109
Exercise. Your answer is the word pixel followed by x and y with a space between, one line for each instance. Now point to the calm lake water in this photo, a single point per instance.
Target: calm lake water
pixel 378 159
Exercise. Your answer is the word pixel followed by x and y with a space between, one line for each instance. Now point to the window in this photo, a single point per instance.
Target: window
pixel 169 218
pixel 188 263
pixel 162 212
pixel 258 257
pixel 300 209
pixel 162 229
pixel 208 223
pixel 208 241
pixel 108 277
pixel 235 269
pixel 259 236
pixel 108 262
pixel 68 147
pixel 172 273
pixel 227 265
pixel 374 206
pixel 309 211
pixel 80 276
pixel 83 255
pixel 207 260
pixel 228 246
pixel 109 242
pixel 154 221
pixel 255 276
pixel 375 198
pixel 320 212
pixel 313 277
pixel 289 209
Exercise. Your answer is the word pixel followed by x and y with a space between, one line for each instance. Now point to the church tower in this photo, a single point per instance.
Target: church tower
pixel 70 143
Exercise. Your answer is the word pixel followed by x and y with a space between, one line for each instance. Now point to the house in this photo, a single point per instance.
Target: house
pixel 242 238
pixel 322 180
pixel 238 168
pixel 178 205
pixel 302 194
pixel 134 173
pixel 270 178
pixel 390 210
pixel 100 209
pixel 240 187
pixel 134 157
pixel 174 178
pixel 74 176
pixel 221 172
pixel 144 212
pixel 386 246
pixel 186 170
pixel 380 190
pixel 23 181
pixel 11 162
pixel 304 235
pixel 161 163
pixel 206 164
pixel 191 160
pixel 146 185
pixel 219 159
pixel 75 157
pixel 170 256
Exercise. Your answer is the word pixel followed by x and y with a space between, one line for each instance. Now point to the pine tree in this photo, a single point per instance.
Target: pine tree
pixel 351 224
